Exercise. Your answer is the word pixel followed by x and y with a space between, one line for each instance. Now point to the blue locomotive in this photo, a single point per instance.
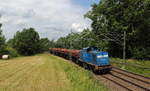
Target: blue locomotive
pixel 96 60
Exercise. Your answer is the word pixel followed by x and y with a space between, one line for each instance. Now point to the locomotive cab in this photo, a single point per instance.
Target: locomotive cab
pixel 99 59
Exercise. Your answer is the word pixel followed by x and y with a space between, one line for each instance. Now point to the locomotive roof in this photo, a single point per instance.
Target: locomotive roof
pixel 95 48
pixel 92 50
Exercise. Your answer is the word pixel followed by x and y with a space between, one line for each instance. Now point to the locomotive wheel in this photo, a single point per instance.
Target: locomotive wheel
pixel 94 70
pixel 85 65
pixel 81 64
pixel 90 67
pixel 76 61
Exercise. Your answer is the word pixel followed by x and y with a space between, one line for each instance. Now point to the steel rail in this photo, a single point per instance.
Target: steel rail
pixel 147 89
pixel 131 72
pixel 125 87
pixel 132 77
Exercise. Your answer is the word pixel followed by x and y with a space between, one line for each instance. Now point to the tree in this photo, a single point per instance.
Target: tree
pixel 2 41
pixel 27 42
pixel 44 44
pixel 110 18
pixel 81 40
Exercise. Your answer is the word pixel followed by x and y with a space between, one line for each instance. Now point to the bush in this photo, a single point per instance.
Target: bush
pixel 11 52
pixel 26 42
pixel 141 53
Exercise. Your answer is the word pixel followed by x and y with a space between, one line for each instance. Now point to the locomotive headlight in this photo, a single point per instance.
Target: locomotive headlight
pixel 105 55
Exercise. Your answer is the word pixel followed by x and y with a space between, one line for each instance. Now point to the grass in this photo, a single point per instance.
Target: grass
pixel 131 67
pixel 45 72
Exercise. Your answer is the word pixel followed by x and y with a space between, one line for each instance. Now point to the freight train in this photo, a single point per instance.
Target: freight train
pixel 89 58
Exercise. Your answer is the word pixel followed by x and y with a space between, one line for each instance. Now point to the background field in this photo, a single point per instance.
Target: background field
pixel 45 72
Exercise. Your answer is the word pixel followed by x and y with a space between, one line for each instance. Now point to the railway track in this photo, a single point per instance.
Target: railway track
pixel 127 80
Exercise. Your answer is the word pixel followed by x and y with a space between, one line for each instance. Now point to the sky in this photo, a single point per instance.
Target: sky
pixel 50 18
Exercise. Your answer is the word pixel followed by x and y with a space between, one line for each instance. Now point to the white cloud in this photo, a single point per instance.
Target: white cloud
pixel 78 27
pixel 5 19
pixel 51 18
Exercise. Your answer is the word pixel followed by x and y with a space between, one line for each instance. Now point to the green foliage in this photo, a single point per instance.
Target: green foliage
pixel 11 52
pixel 52 44
pixel 140 53
pixel 2 41
pixel 3 47
pixel 110 18
pixel 10 42
pixel 26 42
pixel 44 44
pixel 80 40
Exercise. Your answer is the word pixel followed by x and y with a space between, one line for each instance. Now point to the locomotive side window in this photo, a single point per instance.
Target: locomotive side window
pixel 89 49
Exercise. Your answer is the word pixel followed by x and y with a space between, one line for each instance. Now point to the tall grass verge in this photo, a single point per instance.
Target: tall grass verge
pixel 81 80
pixel 132 65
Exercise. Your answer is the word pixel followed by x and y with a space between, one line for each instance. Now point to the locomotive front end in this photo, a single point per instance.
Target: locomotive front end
pixel 102 61
pixel 102 58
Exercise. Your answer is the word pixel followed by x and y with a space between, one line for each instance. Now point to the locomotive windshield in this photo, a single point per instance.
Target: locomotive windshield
pixel 91 49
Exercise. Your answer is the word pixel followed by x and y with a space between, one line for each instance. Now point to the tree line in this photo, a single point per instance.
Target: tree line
pixel 26 42
pixel 110 19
